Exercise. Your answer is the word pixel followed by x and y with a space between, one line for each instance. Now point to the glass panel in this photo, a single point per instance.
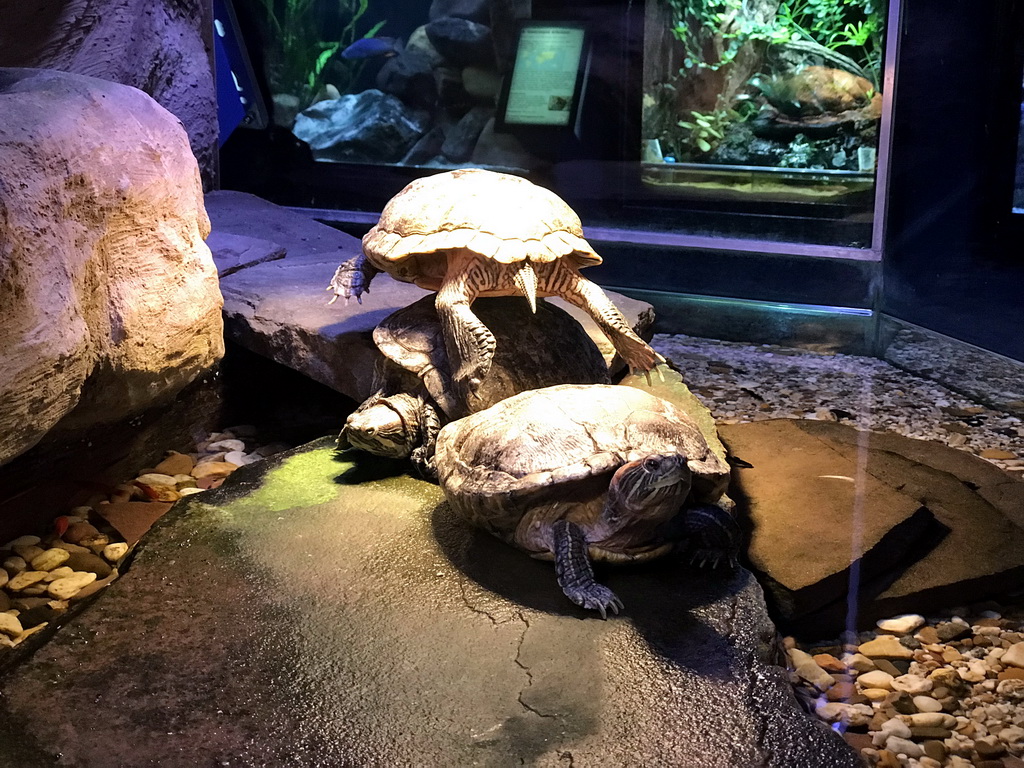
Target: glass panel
pixel 762 101
pixel 1018 184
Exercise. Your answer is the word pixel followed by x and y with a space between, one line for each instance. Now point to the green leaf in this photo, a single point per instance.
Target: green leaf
pixel 703 144
pixel 375 28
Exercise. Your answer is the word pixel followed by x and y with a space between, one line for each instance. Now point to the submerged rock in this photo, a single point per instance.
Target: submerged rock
pixel 370 127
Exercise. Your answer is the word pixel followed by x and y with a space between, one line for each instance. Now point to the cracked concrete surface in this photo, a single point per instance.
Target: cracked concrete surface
pixel 318 612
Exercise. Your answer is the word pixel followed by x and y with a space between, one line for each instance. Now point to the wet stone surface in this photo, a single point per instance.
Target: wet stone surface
pixel 316 612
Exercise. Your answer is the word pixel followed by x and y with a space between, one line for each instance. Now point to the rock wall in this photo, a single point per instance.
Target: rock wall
pixel 161 47
pixel 110 296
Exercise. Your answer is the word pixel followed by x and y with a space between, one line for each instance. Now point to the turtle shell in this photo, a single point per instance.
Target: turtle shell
pixel 547 444
pixel 495 215
pixel 534 350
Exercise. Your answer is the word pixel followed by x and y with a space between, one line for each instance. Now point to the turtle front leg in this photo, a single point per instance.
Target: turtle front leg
pixel 352 278
pixel 576 289
pixel 469 343
pixel 710 536
pixel 423 455
pixel 575 574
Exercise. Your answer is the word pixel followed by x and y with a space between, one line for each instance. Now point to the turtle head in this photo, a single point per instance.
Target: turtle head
pixel 383 426
pixel 645 492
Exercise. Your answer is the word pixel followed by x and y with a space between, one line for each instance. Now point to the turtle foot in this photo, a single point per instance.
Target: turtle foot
pixel 639 356
pixel 351 280
pixel 595 597
pixel 575 574
pixel 712 537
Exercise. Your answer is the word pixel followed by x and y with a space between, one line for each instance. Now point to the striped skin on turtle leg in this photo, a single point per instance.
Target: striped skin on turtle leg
pixel 576 289
pixel 352 278
pixel 575 574
pixel 469 343
pixel 422 456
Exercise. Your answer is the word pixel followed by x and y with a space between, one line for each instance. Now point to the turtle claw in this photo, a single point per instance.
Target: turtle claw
pixel 597 598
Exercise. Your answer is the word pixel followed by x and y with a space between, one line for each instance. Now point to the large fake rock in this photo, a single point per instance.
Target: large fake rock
pixel 161 47
pixel 367 127
pixel 110 295
pixel 279 309
pixel 339 614
pixel 927 526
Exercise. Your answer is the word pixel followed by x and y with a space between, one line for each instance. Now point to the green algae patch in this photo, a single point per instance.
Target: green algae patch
pixel 302 480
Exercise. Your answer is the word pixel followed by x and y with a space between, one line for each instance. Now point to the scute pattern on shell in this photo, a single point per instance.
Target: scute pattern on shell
pixel 563 434
pixel 496 215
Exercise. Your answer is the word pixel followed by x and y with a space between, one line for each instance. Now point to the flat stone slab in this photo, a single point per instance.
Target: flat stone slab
pixel 929 527
pixel 279 308
pixel 314 611
pixel 234 252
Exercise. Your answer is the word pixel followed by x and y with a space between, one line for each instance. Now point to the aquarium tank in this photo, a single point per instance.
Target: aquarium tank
pixel 704 118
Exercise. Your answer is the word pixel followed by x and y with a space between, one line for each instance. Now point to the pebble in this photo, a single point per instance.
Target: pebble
pixel 1014 656
pixel 14 564
pixel 26 541
pixel 806 667
pixel 876 679
pixel 68 587
pixel 157 480
pixel 912 684
pixel 885 647
pixel 213 469
pixel 901 625
pixel 175 464
pixel 927 704
pixel 76 532
pixel 25 579
pixel 9 625
pixel 226 446
pixel 114 552
pixel 901 746
pixel 49 559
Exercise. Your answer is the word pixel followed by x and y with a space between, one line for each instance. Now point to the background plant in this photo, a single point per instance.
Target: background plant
pixel 297 51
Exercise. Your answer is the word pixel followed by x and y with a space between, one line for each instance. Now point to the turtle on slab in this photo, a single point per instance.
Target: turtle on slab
pixel 577 473
pixel 414 394
pixel 471 232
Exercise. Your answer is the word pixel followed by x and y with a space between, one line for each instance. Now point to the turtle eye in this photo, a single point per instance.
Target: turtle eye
pixel 371 431
pixel 650 463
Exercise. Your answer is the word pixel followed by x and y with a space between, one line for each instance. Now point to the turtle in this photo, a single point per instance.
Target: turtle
pixel 472 232
pixel 414 396
pixel 581 473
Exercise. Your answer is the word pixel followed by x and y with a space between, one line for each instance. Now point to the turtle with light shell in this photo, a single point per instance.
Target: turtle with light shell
pixel 471 232
pixel 414 395
pixel 582 473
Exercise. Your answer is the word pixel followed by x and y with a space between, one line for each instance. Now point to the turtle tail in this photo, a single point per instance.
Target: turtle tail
pixel 526 281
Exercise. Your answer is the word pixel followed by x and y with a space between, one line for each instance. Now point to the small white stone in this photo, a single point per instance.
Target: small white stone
pixel 901 625
pixel 9 625
pixel 49 559
pixel 58 573
pixel 69 586
pixel 1014 656
pixel 912 684
pixel 974 672
pixel 807 668
pixel 235 457
pixel 903 746
pixel 858 662
pixel 875 679
pixel 189 491
pixel 226 445
pixel 114 552
pixel 25 579
pixel 927 704
pixel 156 480
pixel 929 720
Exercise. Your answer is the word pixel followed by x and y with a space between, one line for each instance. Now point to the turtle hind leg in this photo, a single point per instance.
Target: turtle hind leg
pixel 423 455
pixel 711 536
pixel 576 289
pixel 575 574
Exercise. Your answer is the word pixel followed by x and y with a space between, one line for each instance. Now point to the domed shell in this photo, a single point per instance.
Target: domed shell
pixel 496 215
pixel 536 441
